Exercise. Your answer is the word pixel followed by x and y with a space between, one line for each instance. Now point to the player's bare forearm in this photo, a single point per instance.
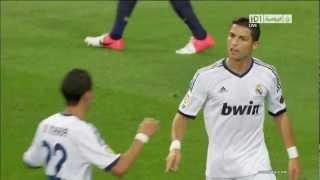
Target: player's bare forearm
pixel 285 129
pixel 284 126
pixel 179 126
pixel 127 159
pixel 147 128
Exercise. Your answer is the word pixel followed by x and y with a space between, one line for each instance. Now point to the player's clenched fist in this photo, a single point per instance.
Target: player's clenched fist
pixel 148 126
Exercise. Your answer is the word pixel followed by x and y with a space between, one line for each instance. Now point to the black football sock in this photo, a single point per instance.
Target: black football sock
pixel 184 10
pixel 124 10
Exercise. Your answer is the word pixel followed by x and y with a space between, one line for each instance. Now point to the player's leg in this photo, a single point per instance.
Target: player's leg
pixel 125 8
pixel 184 10
pixel 114 39
pixel 201 40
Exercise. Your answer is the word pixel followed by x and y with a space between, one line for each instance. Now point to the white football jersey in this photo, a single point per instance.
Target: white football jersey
pixel 234 112
pixel 66 146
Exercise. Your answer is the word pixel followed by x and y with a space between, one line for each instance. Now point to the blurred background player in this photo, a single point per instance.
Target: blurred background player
pixel 232 93
pixel 66 145
pixel 199 41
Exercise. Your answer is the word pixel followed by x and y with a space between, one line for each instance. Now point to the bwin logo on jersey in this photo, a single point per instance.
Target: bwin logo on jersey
pixel 250 109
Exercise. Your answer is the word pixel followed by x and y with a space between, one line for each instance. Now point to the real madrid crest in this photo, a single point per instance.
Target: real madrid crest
pixel 259 89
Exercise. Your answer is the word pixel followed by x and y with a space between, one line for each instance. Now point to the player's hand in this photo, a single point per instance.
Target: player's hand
pixel 294 169
pixel 173 160
pixel 148 126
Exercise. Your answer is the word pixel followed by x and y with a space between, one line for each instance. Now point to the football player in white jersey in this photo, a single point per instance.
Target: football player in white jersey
pixel 66 145
pixel 232 93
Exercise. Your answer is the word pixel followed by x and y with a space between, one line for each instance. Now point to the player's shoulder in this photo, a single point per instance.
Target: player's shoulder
pixel 212 68
pixel 265 67
pixel 85 131
pixel 49 119
pixel 83 127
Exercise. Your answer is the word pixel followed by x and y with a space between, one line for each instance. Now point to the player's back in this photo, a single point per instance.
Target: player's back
pixel 57 137
pixel 66 146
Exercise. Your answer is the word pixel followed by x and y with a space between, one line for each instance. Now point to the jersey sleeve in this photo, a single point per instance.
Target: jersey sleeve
pixel 275 98
pixel 34 156
pixel 94 149
pixel 195 97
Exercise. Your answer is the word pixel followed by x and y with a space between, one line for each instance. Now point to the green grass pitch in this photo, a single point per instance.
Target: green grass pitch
pixel 42 40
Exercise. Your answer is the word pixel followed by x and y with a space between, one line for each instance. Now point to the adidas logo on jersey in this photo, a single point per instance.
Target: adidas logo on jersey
pixel 250 109
pixel 223 89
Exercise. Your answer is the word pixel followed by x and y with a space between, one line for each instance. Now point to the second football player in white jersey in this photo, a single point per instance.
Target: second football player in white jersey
pixel 232 93
pixel 66 145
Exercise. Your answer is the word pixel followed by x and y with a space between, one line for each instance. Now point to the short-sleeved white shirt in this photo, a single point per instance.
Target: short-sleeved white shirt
pixel 67 146
pixel 233 109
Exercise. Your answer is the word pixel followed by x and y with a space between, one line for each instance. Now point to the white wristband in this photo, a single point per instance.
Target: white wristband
pixel 292 152
pixel 142 137
pixel 176 144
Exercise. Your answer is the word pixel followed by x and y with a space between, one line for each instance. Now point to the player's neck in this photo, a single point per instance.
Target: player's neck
pixel 77 111
pixel 239 66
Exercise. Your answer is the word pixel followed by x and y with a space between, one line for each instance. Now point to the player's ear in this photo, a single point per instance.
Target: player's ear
pixel 255 45
pixel 87 96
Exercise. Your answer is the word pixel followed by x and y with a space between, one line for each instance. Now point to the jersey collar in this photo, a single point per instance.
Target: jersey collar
pixel 238 75
pixel 66 114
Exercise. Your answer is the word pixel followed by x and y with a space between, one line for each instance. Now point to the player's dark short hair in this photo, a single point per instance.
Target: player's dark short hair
pixel 254 27
pixel 74 85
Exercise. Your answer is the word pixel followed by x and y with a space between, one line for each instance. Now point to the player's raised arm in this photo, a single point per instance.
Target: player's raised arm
pixel 146 129
pixel 179 127
pixel 284 126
